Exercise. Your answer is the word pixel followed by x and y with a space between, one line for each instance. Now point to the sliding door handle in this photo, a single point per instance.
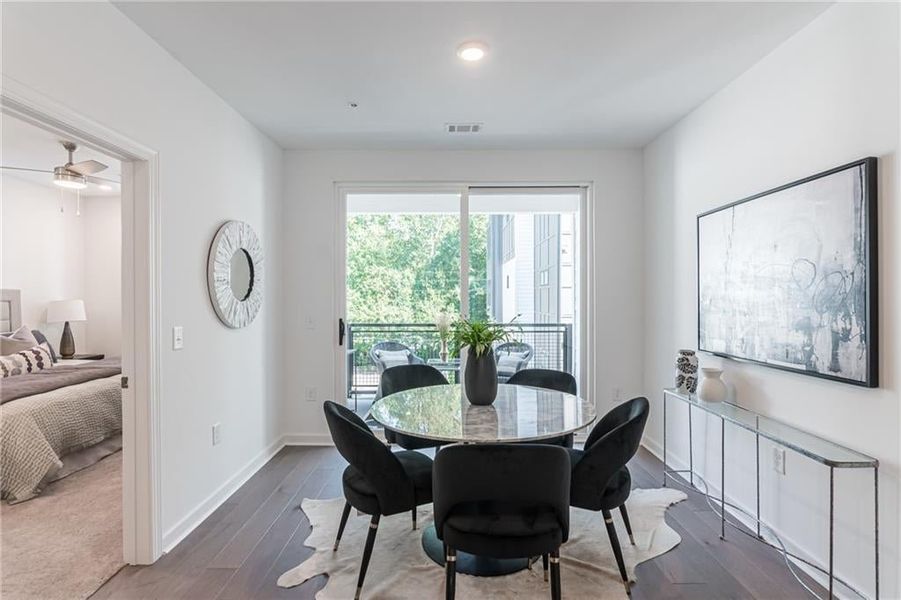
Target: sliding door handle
pixel 341 330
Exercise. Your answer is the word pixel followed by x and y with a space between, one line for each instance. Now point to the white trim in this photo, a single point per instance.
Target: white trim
pixel 340 236
pixel 587 296
pixel 202 511
pixel 307 439
pixel 464 253
pixel 141 494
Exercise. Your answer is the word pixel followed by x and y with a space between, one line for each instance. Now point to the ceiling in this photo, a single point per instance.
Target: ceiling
pixel 25 145
pixel 557 75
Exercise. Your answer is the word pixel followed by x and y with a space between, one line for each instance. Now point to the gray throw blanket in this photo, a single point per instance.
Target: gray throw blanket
pixel 61 375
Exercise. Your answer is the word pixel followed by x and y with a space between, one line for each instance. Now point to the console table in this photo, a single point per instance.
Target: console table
pixel 829 454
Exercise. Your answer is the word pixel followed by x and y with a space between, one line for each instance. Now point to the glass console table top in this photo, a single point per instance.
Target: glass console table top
pixel 520 413
pixel 806 443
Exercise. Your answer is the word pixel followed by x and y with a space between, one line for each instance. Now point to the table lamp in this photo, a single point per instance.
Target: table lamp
pixel 63 311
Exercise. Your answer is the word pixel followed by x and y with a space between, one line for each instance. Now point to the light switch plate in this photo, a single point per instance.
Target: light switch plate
pixel 217 434
pixel 178 337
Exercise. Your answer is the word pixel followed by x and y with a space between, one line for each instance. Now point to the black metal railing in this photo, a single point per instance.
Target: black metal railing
pixel 550 342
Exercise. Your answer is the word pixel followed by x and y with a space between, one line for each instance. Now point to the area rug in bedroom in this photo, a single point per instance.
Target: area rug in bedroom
pixel 400 569
pixel 66 542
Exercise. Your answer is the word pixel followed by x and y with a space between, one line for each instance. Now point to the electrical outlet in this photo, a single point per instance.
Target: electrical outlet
pixel 310 394
pixel 617 394
pixel 217 434
pixel 779 460
pixel 308 323
pixel 178 337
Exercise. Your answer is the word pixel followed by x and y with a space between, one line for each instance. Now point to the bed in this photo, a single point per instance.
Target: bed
pixel 55 421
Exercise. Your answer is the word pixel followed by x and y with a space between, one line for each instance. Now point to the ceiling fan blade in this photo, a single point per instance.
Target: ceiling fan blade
pixel 101 180
pixel 26 169
pixel 87 167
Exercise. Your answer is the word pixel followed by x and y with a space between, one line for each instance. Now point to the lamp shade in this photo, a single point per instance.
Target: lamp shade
pixel 66 310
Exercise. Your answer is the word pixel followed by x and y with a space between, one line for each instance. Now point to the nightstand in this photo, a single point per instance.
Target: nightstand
pixel 79 359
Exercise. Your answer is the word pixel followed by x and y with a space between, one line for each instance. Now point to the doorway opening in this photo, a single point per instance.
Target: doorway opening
pixel 137 256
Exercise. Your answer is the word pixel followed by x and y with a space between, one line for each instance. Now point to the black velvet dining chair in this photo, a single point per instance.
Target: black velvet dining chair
pixel 377 482
pixel 407 377
pixel 600 478
pixel 559 381
pixel 488 504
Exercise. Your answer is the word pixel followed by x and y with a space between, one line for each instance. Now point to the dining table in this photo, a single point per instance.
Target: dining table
pixel 519 414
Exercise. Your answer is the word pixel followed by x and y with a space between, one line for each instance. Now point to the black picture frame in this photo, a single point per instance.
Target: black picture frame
pixel 869 201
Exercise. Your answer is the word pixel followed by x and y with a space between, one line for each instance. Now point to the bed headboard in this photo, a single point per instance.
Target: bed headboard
pixel 10 310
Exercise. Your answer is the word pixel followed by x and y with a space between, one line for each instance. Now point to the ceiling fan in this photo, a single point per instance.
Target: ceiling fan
pixel 72 175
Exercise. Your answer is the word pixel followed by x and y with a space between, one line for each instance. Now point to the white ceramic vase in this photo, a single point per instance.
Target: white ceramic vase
pixel 712 388
pixel 686 372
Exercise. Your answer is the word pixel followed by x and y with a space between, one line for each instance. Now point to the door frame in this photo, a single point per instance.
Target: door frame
pixel 141 493
pixel 587 321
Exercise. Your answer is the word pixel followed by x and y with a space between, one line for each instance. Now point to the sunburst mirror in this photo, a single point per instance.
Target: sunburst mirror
pixel 235 274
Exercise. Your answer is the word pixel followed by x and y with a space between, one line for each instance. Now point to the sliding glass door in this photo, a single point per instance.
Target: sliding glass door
pixel 502 254
pixel 522 248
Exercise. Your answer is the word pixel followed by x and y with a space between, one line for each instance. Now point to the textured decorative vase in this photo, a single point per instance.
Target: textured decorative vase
pixel 686 372
pixel 443 354
pixel 480 378
pixel 712 388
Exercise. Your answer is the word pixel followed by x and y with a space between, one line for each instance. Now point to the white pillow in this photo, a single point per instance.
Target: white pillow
pixel 393 358
pixel 19 340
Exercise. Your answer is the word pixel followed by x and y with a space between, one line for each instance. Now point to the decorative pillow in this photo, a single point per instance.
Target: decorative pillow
pixel 41 340
pixel 17 341
pixel 393 358
pixel 27 361
pixel 509 362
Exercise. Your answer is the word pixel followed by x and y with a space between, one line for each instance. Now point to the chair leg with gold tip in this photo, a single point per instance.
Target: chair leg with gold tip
pixel 617 550
pixel 344 516
pixel 450 573
pixel 367 554
pixel 554 559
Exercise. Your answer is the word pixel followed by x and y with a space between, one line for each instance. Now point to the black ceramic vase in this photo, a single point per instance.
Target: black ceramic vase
pixel 480 378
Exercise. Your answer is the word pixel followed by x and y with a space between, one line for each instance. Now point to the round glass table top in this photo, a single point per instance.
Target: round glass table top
pixel 519 414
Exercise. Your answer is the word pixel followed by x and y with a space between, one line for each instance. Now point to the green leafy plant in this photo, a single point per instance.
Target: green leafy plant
pixel 479 335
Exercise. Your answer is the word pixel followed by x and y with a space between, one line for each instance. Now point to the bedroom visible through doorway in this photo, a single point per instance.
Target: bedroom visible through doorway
pixel 61 331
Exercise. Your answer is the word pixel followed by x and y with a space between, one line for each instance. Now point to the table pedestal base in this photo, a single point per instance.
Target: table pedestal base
pixel 470 564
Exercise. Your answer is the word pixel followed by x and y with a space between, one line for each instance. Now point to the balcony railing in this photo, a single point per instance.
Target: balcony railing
pixel 551 343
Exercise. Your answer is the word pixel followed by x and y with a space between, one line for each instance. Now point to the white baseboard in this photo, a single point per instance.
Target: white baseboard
pixel 180 530
pixel 307 439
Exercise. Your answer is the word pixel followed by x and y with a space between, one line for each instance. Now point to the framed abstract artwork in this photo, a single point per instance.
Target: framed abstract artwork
pixel 788 278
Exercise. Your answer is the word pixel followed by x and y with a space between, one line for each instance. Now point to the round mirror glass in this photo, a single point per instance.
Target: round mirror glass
pixel 241 278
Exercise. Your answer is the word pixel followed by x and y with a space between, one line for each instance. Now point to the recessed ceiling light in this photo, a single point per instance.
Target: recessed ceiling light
pixel 472 51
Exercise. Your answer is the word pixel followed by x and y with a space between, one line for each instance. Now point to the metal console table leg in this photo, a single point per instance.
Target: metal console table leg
pixel 664 440
pixel 722 479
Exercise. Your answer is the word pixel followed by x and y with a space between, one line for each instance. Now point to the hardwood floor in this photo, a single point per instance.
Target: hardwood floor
pixel 258 533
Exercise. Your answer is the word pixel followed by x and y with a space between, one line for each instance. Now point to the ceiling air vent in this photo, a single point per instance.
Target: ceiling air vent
pixel 463 127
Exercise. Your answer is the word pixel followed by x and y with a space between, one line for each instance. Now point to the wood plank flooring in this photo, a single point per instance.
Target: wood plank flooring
pixel 257 534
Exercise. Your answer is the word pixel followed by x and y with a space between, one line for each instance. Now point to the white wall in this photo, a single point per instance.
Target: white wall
pixel 102 221
pixel 310 252
pixel 213 166
pixel 827 96
pixel 42 253
pixel 51 255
